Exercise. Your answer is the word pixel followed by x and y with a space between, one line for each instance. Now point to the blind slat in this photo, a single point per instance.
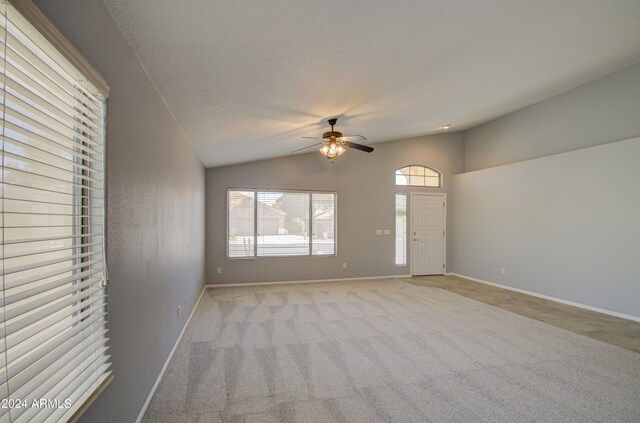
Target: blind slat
pixel 14 368
pixel 34 379
pixel 21 84
pixel 65 368
pixel 53 311
pixel 55 272
pixel 42 174
pixel 43 158
pixel 68 126
pixel 21 70
pixel 53 238
pixel 401 230
pixel 21 322
pixel 77 395
pixel 41 196
pixel 60 319
pixel 34 252
pixel 37 264
pixel 46 65
pixel 18 70
pixel 28 123
pixel 58 387
pixel 42 214
pixel 68 148
pixel 19 181
pixel 71 292
pixel 29 204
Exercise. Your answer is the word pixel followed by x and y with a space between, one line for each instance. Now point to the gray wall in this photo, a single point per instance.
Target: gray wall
pixel 565 225
pixel 156 204
pixel 155 213
pixel 365 184
pixel 604 110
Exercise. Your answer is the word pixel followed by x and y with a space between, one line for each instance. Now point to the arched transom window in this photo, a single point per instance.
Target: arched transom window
pixel 419 176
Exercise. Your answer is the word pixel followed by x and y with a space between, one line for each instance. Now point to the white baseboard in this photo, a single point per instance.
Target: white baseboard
pixel 232 285
pixel 166 363
pixel 547 297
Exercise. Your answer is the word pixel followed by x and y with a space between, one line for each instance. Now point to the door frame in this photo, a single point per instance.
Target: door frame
pixel 444 223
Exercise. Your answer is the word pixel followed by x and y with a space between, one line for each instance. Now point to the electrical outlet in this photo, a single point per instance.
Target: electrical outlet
pixel 503 270
pixel 344 265
pixel 179 310
pixel 219 269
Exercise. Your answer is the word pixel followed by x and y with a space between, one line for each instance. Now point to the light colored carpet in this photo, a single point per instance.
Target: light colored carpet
pixel 386 351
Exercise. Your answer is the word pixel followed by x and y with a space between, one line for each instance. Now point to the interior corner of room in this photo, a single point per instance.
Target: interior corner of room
pixel 534 211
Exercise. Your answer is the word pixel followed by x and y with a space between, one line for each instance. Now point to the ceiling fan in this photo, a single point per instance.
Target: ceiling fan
pixel 334 143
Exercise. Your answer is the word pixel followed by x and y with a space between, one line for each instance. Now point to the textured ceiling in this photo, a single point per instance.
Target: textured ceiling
pixel 246 79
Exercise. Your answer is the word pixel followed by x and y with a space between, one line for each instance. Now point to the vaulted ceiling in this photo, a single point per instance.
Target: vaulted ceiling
pixel 245 79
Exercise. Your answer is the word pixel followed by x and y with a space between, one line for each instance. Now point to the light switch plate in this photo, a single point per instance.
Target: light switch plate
pixel 387 231
pixel 378 231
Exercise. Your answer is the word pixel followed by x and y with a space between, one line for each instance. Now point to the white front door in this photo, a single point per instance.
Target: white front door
pixel 427 234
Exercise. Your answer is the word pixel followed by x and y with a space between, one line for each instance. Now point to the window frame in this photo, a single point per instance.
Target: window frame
pixel 255 255
pixel 440 177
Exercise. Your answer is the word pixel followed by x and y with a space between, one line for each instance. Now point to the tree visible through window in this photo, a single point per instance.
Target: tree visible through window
pixel 419 176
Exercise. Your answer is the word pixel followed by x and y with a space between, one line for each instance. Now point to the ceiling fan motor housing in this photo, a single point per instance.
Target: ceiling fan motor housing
pixel 331 134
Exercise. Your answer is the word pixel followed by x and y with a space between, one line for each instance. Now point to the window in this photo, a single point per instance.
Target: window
pixel 53 340
pixel 419 176
pixel 280 223
pixel 401 229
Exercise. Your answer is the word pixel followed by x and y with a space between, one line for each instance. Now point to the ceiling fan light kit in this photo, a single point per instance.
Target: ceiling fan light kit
pixel 332 150
pixel 334 143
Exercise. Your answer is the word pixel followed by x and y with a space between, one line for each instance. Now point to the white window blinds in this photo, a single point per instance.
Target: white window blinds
pixel 401 229
pixel 280 223
pixel 324 223
pixel 53 324
pixel 283 223
pixel 241 233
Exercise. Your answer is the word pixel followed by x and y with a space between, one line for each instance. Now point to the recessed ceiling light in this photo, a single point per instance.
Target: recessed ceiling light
pixel 445 126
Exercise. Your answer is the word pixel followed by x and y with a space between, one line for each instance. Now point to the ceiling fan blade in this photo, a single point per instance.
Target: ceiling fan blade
pixel 360 147
pixel 353 138
pixel 304 148
pixel 312 138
